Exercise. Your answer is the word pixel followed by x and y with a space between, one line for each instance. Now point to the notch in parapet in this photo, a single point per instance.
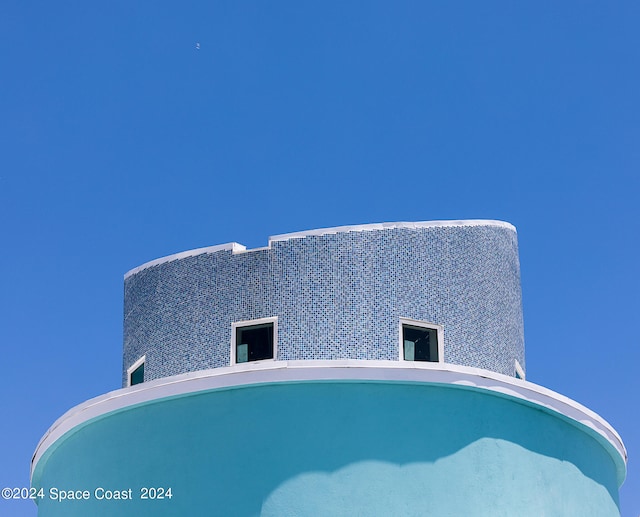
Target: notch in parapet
pixel 235 247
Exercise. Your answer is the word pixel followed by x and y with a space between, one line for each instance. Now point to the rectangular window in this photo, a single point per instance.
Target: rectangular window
pixel 136 372
pixel 420 341
pixel 253 340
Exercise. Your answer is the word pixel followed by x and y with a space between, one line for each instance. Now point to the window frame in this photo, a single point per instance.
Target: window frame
pixel 139 362
pixel 252 323
pixel 425 325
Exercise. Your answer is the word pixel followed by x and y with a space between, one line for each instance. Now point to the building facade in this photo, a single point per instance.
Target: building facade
pixel 366 370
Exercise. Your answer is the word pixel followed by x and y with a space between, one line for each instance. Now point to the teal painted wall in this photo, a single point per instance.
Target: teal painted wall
pixel 334 448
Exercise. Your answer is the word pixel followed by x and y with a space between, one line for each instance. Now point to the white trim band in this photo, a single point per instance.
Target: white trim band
pixel 389 226
pixel 265 372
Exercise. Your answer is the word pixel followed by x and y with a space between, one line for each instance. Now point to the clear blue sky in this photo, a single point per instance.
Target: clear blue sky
pixel 121 142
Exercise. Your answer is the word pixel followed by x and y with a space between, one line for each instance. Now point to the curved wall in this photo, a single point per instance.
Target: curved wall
pixel 338 447
pixel 337 294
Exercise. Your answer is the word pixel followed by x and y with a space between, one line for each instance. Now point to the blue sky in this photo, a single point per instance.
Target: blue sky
pixel 122 142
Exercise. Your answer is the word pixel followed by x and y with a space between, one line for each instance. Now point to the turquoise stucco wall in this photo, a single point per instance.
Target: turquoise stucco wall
pixel 334 448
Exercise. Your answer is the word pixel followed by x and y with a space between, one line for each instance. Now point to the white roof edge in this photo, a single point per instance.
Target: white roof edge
pixel 347 369
pixel 231 246
pixel 389 226
pixel 239 248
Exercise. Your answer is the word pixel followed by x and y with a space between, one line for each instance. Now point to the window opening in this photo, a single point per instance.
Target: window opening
pixel 136 372
pixel 254 340
pixel 420 341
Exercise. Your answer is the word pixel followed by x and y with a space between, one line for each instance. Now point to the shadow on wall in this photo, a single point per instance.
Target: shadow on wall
pixel 297 448
pixel 443 488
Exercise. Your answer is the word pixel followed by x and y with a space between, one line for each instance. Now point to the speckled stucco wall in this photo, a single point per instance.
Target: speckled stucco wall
pixel 337 294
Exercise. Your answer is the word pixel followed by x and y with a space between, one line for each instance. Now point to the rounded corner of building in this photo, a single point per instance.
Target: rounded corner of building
pixel 319 337
pixel 500 424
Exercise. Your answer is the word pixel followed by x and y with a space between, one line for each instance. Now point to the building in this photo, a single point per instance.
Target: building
pixel 365 370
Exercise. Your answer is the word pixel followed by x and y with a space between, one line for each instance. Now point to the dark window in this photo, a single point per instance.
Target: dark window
pixel 254 343
pixel 137 375
pixel 420 343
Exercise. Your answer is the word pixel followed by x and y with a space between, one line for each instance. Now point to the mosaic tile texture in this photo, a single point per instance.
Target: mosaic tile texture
pixel 336 296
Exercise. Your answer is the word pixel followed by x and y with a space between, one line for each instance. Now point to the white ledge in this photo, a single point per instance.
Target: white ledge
pixel 347 369
pixel 231 246
pixel 236 248
pixel 389 226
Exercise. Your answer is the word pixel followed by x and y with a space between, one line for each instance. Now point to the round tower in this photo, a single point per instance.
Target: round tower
pixel 361 370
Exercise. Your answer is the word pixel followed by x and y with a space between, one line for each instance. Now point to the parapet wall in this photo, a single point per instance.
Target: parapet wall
pixel 337 294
